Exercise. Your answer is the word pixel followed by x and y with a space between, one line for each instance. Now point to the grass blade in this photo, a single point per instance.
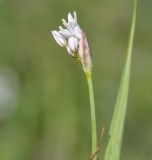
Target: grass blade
pixel 117 124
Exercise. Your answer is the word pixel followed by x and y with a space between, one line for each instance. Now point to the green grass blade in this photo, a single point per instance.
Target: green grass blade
pixel 117 124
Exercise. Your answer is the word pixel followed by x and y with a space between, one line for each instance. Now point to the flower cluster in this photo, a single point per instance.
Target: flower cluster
pixel 74 40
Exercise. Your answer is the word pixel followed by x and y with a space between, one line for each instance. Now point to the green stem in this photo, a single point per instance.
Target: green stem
pixel 93 115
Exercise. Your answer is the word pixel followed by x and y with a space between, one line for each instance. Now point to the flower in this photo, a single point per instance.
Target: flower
pixel 73 38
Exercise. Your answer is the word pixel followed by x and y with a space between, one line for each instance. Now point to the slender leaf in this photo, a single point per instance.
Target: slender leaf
pixel 117 124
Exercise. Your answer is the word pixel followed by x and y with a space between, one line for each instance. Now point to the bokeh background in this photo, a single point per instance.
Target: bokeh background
pixel 44 108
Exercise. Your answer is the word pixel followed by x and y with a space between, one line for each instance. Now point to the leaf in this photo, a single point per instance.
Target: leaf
pixel 117 124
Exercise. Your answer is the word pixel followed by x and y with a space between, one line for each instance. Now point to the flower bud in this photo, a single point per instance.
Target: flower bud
pixel 59 38
pixel 73 44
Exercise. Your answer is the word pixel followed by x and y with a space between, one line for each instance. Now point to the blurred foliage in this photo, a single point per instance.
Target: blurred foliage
pixel 49 117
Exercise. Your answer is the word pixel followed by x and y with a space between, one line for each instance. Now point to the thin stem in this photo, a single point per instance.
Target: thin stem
pixel 93 115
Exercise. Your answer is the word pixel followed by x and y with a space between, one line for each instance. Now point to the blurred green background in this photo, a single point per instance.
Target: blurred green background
pixel 44 108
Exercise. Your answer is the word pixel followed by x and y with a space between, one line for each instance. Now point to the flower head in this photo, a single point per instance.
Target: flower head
pixel 73 38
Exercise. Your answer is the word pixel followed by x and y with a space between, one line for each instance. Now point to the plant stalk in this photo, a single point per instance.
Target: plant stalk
pixel 93 114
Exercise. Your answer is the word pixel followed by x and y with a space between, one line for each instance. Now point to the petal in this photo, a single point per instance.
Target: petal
pixel 73 44
pixel 59 38
pixel 64 22
pixel 68 49
pixel 70 28
pixel 70 18
pixel 75 16
pixel 56 33
pixel 78 32
pixel 65 32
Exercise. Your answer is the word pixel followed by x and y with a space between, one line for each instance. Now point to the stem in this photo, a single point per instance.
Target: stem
pixel 93 115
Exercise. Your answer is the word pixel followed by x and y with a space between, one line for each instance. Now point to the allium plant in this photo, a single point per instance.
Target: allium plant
pixel 73 38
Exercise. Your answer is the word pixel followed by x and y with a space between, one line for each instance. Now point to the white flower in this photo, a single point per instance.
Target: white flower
pixel 75 41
